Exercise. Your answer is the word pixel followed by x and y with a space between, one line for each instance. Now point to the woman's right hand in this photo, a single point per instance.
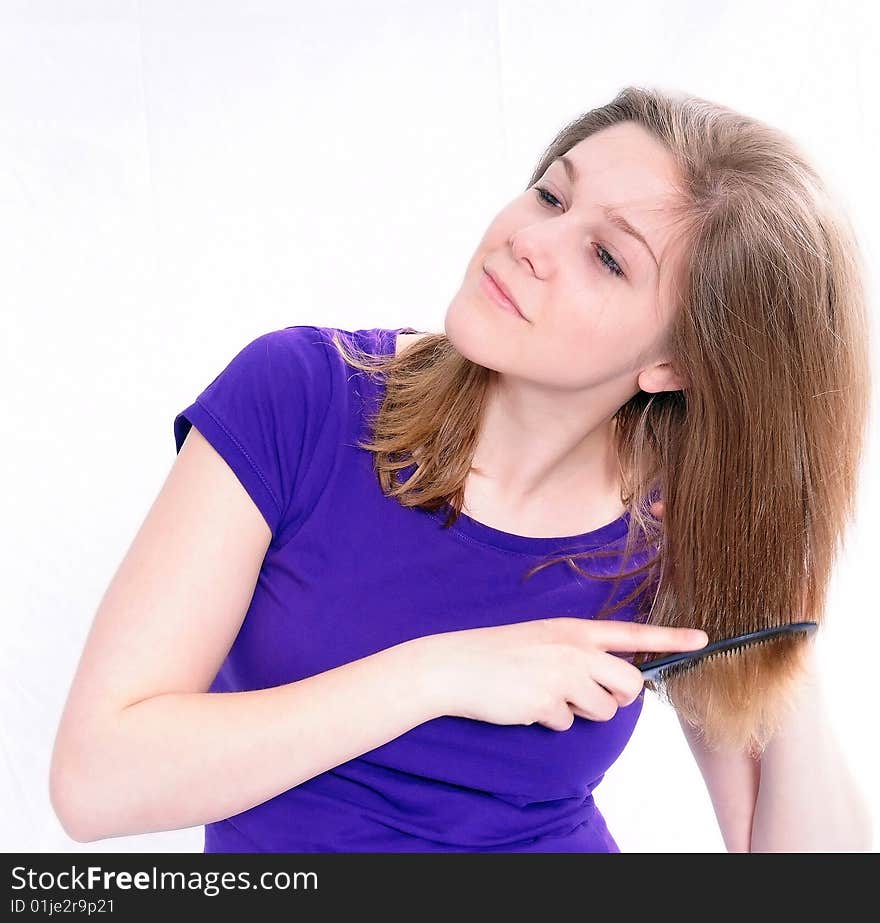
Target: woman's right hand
pixel 547 671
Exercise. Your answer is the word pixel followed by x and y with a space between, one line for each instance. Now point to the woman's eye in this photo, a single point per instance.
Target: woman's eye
pixel 545 197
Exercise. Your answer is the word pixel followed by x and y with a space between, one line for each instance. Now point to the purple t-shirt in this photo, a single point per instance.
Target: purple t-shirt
pixel 350 572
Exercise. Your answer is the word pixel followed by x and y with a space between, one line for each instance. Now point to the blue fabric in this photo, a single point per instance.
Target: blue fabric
pixel 350 572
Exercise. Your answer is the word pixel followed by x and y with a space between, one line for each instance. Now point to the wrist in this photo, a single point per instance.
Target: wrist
pixel 424 660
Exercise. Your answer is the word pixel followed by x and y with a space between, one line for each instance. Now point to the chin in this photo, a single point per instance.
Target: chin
pixel 472 334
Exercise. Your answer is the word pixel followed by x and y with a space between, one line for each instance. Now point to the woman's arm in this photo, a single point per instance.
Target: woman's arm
pixel 807 798
pixel 142 745
pixel 183 759
pixel 731 778
pixel 798 797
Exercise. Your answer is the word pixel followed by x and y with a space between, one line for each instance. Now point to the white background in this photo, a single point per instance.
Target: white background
pixel 179 177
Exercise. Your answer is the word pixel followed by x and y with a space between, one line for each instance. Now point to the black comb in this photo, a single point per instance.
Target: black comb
pixel 653 669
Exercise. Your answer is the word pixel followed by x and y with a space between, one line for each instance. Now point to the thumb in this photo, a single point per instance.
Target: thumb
pixel 658 508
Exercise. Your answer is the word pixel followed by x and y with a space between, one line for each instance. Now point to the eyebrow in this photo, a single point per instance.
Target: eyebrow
pixel 571 171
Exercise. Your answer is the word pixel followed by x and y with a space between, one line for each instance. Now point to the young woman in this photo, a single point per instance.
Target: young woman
pixel 354 618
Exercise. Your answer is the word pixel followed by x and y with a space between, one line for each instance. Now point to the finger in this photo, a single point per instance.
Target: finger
pixel 658 508
pixel 627 637
pixel 595 703
pixel 618 678
pixel 561 719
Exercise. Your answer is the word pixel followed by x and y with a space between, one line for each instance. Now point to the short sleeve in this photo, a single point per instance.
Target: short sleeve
pixel 264 414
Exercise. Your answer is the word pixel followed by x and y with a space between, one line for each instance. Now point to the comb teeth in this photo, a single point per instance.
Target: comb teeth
pixel 664 667
pixel 676 669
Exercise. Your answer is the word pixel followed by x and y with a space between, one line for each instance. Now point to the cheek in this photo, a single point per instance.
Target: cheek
pixel 592 326
pixel 591 346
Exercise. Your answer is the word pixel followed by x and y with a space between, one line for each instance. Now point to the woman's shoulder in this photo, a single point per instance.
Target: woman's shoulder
pixel 405 340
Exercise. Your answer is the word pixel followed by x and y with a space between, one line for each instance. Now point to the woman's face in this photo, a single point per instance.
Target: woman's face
pixel 589 292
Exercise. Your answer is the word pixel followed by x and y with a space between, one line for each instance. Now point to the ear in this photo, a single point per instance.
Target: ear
pixel 662 377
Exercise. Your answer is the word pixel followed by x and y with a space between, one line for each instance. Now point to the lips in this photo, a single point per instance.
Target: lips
pixel 504 290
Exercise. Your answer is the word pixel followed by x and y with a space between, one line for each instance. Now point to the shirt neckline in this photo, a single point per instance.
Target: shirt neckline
pixel 510 541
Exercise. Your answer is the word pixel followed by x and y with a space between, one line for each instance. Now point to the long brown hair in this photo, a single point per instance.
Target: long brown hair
pixel 757 458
